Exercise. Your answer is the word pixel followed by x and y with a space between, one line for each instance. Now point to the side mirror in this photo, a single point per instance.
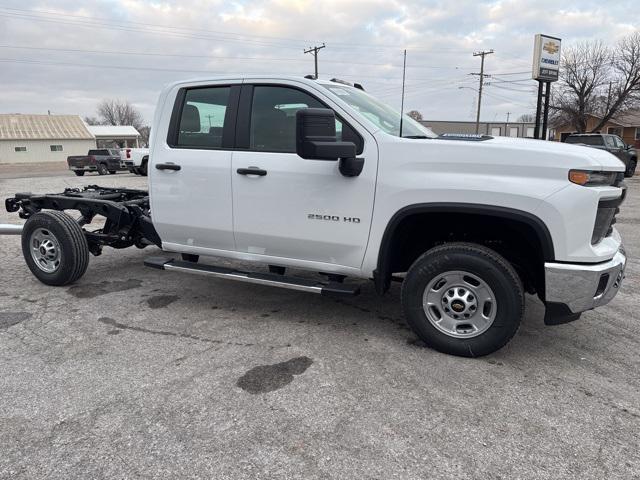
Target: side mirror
pixel 316 136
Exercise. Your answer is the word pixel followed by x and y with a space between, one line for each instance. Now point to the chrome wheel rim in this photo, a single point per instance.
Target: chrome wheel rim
pixel 459 304
pixel 45 250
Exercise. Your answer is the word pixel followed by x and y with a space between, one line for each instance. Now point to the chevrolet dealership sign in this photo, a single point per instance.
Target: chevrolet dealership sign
pixel 546 58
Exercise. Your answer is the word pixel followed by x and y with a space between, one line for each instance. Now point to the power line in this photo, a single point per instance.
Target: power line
pixel 41 14
pixel 120 67
pixel 176 34
pixel 215 57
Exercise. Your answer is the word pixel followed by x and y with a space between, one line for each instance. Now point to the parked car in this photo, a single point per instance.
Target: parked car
pixel 610 143
pixel 136 160
pixel 103 161
pixel 320 176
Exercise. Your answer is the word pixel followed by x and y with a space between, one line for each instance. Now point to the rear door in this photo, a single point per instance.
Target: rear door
pixel 297 209
pixel 191 167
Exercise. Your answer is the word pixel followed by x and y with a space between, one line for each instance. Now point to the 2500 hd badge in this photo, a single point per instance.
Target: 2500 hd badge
pixel 332 218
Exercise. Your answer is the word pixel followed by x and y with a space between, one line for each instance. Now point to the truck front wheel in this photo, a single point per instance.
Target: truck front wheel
pixel 463 299
pixel 102 169
pixel 54 248
pixel 631 168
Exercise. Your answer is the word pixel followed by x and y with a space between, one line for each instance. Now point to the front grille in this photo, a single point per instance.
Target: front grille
pixel 606 217
pixel 619 180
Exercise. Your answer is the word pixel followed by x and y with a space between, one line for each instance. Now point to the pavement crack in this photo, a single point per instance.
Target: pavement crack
pixel 115 324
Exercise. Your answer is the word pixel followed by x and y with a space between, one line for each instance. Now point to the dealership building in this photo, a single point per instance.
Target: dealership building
pixel 51 138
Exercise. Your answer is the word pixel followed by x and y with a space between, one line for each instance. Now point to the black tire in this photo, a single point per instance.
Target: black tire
pixel 79 173
pixel 73 248
pixel 482 263
pixel 144 167
pixel 631 168
pixel 112 172
pixel 102 169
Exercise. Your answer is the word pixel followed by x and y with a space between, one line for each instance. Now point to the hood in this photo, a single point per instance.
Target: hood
pixel 572 156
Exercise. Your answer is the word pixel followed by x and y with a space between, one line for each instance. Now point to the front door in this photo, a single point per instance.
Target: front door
pixel 621 150
pixel 297 209
pixel 190 172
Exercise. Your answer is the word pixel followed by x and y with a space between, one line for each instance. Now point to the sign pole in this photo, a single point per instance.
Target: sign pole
pixel 546 69
pixel 545 118
pixel 536 132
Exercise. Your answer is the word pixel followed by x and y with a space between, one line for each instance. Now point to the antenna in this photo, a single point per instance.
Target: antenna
pixel 404 70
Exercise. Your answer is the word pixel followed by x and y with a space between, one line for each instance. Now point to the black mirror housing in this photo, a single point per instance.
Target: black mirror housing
pixel 316 136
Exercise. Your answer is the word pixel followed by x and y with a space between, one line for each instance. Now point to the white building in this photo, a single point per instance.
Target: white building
pixel 43 138
pixel 115 136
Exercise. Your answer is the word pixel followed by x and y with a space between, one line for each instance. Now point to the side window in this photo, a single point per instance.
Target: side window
pixel 273 119
pixel 619 142
pixel 203 116
pixel 609 141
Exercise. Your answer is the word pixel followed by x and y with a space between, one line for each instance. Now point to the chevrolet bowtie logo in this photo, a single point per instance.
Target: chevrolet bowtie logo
pixel 551 47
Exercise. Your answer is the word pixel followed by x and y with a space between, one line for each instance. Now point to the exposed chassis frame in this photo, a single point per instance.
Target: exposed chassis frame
pixel 126 212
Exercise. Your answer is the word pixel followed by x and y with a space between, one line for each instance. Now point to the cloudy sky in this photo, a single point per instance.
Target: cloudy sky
pixel 66 56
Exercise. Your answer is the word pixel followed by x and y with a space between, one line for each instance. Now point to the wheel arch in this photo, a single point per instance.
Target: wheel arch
pixel 383 272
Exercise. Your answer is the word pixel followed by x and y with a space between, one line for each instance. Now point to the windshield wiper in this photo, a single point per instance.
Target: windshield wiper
pixel 415 136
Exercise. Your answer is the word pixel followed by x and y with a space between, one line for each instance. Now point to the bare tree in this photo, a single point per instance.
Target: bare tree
pixel 624 85
pixel 584 71
pixel 144 135
pixel 119 112
pixel 527 118
pixel 597 80
pixel 416 115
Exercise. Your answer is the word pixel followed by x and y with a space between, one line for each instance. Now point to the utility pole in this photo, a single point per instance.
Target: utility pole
pixel 482 75
pixel 508 114
pixel 315 50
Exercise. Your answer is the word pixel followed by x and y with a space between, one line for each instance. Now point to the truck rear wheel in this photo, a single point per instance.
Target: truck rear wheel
pixel 79 173
pixel 55 248
pixel 102 169
pixel 463 299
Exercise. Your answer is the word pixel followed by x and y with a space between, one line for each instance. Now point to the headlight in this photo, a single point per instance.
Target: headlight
pixel 592 179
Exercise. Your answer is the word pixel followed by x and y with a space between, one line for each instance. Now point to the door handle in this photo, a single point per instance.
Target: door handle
pixel 252 171
pixel 168 166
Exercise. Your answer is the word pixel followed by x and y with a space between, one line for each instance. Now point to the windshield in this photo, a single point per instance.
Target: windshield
pixel 380 113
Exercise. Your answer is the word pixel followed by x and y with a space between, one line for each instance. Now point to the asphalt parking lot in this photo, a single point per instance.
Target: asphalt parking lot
pixel 136 373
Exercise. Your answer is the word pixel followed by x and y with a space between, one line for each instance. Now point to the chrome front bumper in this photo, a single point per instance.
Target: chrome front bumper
pixel 581 287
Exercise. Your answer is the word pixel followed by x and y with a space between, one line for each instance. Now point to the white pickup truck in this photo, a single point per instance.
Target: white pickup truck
pixel 320 176
pixel 136 160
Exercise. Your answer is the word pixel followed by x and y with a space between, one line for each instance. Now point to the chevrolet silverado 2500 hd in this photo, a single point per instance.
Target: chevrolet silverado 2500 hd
pixel 320 176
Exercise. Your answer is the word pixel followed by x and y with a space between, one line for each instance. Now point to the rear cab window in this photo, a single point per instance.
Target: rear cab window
pixel 201 118
pixel 594 140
